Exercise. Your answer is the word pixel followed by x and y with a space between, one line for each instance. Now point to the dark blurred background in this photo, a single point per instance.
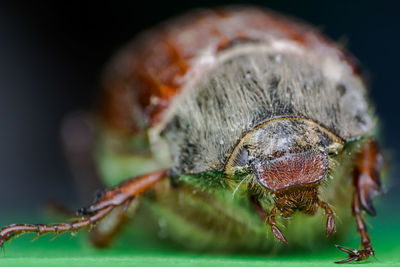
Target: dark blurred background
pixel 52 55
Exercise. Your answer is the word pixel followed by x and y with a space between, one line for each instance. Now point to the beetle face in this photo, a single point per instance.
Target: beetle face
pixel 286 155
pixel 291 168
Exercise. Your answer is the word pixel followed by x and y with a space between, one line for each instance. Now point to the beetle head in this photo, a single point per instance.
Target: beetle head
pixel 288 157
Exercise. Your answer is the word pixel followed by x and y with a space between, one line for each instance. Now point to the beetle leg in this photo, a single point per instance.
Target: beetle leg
pixel 366 185
pixel 269 217
pixel 354 254
pixel 116 197
pixel 275 230
pixel 330 221
pixel 366 175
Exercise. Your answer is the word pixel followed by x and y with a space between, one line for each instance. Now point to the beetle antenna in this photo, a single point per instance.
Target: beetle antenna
pixel 237 187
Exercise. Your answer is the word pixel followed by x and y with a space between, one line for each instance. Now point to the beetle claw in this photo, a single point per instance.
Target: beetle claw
pixel 349 259
pixel 355 254
pixel 278 234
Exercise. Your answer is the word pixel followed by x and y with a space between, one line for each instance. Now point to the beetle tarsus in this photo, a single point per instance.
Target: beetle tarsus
pixel 355 254
pixel 366 185
pixel 118 196
pixel 8 232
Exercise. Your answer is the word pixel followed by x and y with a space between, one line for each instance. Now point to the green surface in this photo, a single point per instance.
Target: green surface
pixel 137 250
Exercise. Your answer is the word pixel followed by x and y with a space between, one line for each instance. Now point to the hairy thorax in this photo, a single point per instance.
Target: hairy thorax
pixel 253 84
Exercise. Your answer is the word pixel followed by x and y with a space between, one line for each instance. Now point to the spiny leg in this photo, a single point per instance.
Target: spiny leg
pixel 14 230
pixel 119 196
pixel 366 185
pixel 269 218
pixel 107 229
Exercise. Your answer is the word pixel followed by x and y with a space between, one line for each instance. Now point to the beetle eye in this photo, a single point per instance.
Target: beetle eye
pixel 291 169
pixel 242 158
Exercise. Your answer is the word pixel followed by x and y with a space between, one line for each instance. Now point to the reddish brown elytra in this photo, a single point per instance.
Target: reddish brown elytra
pixel 240 113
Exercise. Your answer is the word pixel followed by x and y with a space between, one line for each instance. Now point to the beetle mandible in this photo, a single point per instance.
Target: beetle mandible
pixel 251 118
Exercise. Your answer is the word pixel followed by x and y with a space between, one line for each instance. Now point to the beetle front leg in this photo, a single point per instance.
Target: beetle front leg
pixel 120 196
pixel 269 218
pixel 367 184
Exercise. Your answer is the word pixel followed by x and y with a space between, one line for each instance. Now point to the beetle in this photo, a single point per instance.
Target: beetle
pixel 250 118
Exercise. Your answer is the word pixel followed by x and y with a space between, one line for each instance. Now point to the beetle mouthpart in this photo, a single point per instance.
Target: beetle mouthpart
pixel 291 168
